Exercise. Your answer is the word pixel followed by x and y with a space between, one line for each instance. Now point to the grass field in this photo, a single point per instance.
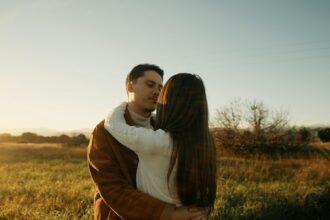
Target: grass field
pixel 46 181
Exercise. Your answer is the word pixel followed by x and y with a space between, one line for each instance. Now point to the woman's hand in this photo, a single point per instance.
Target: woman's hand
pixel 184 213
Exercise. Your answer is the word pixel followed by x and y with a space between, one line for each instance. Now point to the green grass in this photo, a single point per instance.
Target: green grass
pixel 44 183
pixel 287 189
pixel 40 181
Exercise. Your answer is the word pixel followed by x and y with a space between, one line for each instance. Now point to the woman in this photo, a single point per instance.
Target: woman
pixel 176 160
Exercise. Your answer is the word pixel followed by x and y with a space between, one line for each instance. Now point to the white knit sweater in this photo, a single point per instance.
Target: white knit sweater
pixel 154 151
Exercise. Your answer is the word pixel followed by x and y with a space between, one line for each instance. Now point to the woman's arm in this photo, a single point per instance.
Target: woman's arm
pixel 138 139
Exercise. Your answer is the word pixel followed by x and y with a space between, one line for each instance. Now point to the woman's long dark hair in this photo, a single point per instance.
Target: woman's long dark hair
pixel 182 110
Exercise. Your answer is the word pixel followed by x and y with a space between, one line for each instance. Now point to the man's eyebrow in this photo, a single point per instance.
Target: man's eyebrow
pixel 149 80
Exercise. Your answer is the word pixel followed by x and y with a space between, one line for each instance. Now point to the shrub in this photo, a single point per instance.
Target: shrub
pixel 324 134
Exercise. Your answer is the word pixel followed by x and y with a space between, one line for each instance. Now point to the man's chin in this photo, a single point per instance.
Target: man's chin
pixel 150 108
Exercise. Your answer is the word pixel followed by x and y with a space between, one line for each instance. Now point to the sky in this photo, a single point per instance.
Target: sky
pixel 63 63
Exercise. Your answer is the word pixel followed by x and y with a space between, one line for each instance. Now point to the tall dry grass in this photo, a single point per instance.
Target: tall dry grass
pixel 52 182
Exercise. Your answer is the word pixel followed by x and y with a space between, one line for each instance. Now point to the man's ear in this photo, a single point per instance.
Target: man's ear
pixel 130 86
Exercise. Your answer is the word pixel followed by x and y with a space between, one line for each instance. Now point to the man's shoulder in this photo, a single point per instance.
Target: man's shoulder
pixel 100 125
pixel 100 131
pixel 101 138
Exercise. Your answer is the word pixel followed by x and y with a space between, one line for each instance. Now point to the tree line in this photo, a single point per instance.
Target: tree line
pixel 29 137
pixel 246 128
pixel 251 128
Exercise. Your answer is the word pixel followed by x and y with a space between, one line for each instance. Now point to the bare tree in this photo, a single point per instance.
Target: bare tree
pixel 279 120
pixel 230 116
pixel 249 126
pixel 257 116
pixel 262 119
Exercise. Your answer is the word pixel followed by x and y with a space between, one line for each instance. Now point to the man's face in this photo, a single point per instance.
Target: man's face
pixel 146 90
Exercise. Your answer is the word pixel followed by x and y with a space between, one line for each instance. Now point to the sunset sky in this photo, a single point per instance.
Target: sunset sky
pixel 63 62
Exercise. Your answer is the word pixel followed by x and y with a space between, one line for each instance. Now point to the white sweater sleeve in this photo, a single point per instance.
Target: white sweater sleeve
pixel 138 139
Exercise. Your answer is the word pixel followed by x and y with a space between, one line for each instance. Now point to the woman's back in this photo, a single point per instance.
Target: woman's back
pixel 151 178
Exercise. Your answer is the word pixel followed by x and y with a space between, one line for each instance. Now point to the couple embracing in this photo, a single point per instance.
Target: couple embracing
pixel 155 166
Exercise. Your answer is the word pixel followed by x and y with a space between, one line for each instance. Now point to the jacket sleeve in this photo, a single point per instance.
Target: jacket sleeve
pixel 138 139
pixel 118 193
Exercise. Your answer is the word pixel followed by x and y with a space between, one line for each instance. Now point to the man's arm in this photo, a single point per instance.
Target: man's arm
pixel 114 188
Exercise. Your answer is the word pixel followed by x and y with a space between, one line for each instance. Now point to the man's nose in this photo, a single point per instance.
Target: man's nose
pixel 157 91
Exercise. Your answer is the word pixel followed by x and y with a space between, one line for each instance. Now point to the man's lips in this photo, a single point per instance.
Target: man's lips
pixel 154 100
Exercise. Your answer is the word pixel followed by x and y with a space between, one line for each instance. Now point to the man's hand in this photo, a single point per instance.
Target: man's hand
pixel 184 213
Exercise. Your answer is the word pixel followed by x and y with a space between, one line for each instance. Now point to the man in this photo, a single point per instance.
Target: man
pixel 113 166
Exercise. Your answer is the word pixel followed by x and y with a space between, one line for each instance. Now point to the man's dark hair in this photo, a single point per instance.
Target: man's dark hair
pixel 139 70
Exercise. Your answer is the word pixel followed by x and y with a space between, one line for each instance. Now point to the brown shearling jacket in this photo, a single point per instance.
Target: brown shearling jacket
pixel 113 169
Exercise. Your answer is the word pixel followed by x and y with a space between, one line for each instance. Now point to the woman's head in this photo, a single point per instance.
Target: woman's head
pixel 183 112
pixel 182 103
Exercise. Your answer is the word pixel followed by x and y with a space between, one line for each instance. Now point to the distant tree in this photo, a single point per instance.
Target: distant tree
pixel 261 119
pixel 64 139
pixel 5 137
pixel 29 137
pixel 324 134
pixel 230 116
pixel 246 128
pixel 304 136
pixel 78 140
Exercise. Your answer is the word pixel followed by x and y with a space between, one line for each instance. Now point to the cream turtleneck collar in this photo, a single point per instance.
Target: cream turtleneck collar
pixel 139 120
